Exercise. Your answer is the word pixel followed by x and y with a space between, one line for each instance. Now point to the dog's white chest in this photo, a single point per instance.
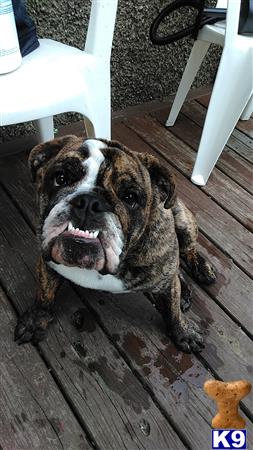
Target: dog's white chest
pixel 90 279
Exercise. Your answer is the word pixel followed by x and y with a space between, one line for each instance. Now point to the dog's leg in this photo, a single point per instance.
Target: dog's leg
pixel 33 324
pixel 187 233
pixel 186 295
pixel 184 333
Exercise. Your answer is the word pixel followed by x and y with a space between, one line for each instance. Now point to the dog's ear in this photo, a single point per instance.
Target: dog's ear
pixel 161 177
pixel 42 153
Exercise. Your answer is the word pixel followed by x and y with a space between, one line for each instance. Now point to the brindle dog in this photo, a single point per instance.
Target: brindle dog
pixel 110 219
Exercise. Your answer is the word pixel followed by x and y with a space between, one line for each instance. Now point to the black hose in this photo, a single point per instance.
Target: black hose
pixel 204 16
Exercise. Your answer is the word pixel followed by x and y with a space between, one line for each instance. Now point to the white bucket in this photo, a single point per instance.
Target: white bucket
pixel 10 56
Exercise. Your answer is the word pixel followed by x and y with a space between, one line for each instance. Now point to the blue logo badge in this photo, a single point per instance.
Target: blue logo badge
pixel 226 439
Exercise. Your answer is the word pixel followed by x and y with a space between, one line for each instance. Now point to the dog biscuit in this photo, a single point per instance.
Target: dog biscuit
pixel 227 396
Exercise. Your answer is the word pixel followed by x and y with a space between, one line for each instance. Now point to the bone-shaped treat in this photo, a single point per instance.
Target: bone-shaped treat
pixel 227 396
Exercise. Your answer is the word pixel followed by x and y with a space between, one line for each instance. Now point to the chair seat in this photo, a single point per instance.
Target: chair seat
pixel 216 34
pixel 213 33
pixel 36 89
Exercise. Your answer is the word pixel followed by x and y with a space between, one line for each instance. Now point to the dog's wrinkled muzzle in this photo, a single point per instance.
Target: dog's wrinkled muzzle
pixel 74 249
pixel 90 238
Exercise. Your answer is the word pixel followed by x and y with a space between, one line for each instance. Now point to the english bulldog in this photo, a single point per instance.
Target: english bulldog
pixel 110 219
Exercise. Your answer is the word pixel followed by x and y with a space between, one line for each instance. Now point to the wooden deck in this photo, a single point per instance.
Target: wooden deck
pixel 119 383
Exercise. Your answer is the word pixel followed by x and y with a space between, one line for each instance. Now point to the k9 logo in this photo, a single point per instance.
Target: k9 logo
pixel 222 439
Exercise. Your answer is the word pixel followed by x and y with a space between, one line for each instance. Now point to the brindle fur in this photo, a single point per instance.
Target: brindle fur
pixel 33 324
pixel 158 233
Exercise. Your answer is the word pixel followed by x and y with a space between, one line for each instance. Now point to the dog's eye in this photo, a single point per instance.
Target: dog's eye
pixel 131 199
pixel 60 179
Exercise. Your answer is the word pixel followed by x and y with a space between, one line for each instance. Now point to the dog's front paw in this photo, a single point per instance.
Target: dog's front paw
pixel 187 337
pixel 202 270
pixel 33 325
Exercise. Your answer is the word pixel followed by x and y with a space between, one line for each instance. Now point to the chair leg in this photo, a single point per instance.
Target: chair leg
pixel 102 121
pixel 228 100
pixel 248 110
pixel 45 128
pixel 197 55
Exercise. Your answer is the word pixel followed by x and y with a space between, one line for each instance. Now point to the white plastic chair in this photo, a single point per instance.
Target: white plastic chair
pixel 232 95
pixel 58 78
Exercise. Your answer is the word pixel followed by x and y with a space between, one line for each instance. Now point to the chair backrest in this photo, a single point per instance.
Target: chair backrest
pixel 232 21
pixel 221 4
pixel 101 28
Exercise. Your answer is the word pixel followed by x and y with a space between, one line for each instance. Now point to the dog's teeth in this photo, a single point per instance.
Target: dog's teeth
pixel 88 234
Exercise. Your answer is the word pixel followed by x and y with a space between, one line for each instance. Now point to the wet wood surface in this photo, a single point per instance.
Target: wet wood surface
pixel 119 382
pixel 33 411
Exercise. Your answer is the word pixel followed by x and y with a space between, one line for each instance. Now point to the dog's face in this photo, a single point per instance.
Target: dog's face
pixel 95 199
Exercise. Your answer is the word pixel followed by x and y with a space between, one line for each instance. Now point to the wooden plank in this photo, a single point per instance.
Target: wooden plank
pixel 232 289
pixel 221 188
pixel 33 412
pixel 109 400
pixel 176 379
pixel 238 141
pixel 228 349
pixel 138 330
pixel 229 162
pixel 246 126
pixel 76 128
pixel 15 146
pixel 242 144
pixel 217 224
pixel 143 108
pixel 26 143
pixel 117 410
pixel 15 178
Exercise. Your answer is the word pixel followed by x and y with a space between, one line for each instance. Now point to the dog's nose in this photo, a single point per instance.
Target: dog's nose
pixel 87 204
